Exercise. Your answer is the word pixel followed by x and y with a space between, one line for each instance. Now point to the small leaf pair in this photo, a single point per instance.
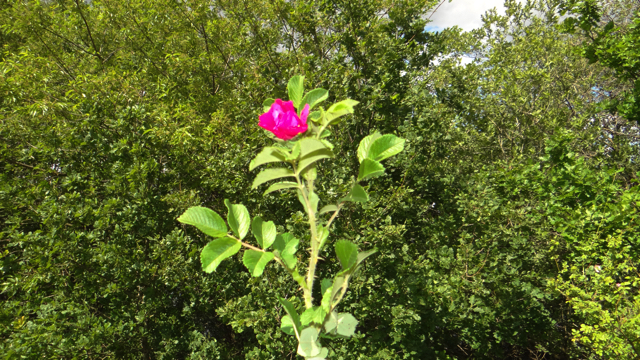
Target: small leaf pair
pixel 375 148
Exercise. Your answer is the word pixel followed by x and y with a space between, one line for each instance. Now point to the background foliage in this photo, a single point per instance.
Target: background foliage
pixel 507 229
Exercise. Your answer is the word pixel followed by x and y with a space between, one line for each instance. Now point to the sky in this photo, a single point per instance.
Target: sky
pixel 464 13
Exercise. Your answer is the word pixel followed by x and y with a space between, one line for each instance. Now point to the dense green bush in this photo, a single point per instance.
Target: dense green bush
pixel 513 190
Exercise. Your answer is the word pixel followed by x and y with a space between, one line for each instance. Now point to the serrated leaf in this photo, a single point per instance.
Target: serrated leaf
pixel 369 169
pixel 328 208
pixel 314 97
pixel 206 220
pixel 264 232
pixel 385 147
pixel 357 194
pixel 295 152
pixel 312 315
pixel 291 311
pixel 347 253
pixel 309 345
pixel 266 105
pixel 295 88
pixel 267 155
pixel 281 186
pixel 365 144
pixel 216 251
pixel 256 261
pixel 238 219
pixel 271 174
pixel 346 324
pixel 313 157
pixel 287 245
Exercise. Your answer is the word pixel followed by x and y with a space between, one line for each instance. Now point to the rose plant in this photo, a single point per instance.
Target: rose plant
pixel 300 145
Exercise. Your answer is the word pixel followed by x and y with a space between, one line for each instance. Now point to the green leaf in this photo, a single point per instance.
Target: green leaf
pixel 256 261
pixel 365 144
pixel 287 245
pixel 309 345
pixel 314 200
pixel 338 283
pixel 315 116
pixel 332 323
pixel 365 254
pixel 314 97
pixel 291 311
pixel 295 87
pixel 295 152
pixel 325 284
pixel 264 232
pixel 266 105
pixel 323 235
pixel 286 325
pixel 216 251
pixel 281 186
pixel 270 174
pixel 357 194
pixel 339 109
pixel 312 315
pixel 385 147
pixel 324 352
pixel 346 324
pixel 238 219
pixel 206 220
pixel 267 155
pixel 369 169
pixel 328 208
pixel 326 298
pixel 313 157
pixel 347 253
pixel 309 145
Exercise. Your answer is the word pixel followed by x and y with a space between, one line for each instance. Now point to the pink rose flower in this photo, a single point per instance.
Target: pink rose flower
pixel 283 121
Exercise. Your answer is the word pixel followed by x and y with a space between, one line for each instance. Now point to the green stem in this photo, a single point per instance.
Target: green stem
pixel 313 260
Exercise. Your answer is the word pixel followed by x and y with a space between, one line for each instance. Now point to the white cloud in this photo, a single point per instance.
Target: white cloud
pixel 463 13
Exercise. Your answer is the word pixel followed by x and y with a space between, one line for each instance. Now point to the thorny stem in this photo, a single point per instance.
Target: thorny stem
pixel 313 261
